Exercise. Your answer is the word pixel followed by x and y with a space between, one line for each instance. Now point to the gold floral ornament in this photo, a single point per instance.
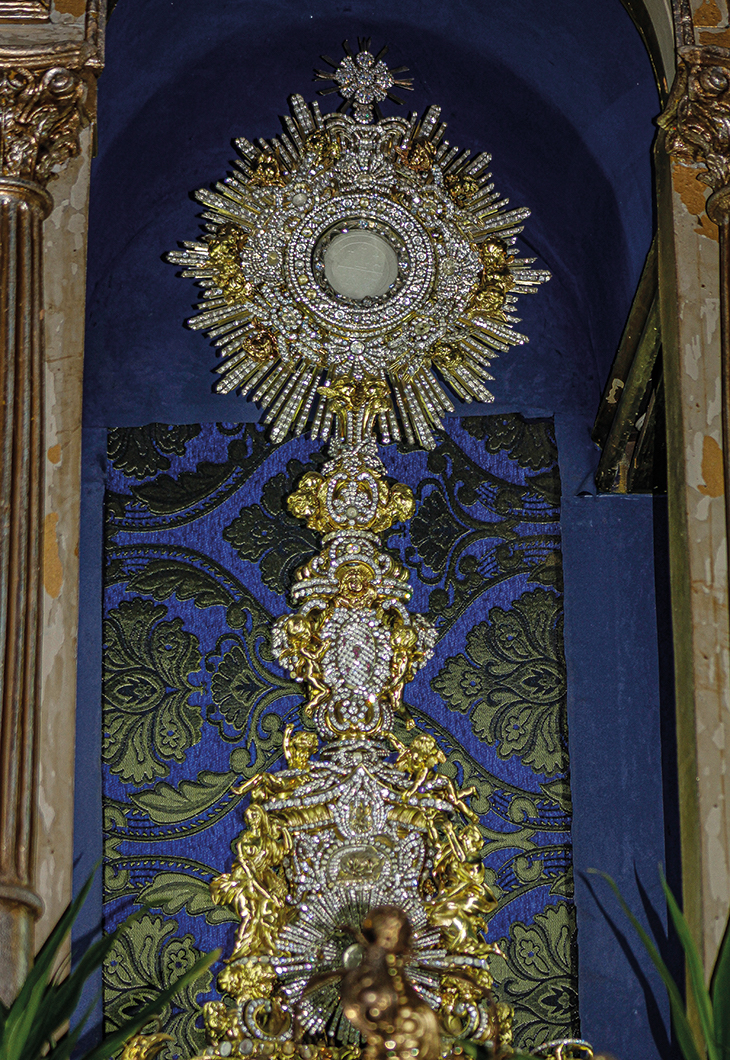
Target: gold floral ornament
pixel 145 1046
pixel 354 494
pixel 358 251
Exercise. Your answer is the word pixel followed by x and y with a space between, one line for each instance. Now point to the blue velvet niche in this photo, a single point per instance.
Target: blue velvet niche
pixel 562 95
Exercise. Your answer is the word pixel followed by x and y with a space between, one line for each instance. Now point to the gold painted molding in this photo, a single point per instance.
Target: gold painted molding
pixel 47 96
pixel 25 10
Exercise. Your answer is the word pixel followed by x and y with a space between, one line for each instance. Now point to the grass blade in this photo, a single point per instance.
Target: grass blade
pixel 695 969
pixel 117 1038
pixel 720 989
pixel 63 1049
pixel 682 1029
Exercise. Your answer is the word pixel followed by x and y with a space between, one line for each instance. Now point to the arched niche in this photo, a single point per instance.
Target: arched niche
pixel 564 101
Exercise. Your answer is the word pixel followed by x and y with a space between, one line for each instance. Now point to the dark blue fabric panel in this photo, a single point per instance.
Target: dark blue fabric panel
pixel 614 708
pixel 612 659
pixel 87 781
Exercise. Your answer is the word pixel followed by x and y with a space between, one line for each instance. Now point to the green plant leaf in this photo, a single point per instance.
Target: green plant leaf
pixel 117 1038
pixel 171 891
pixel 63 1049
pixel 63 995
pixel 28 1016
pixel 695 969
pixel 682 1029
pixel 720 990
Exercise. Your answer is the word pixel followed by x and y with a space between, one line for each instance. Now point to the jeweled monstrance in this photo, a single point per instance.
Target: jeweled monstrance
pixel 353 267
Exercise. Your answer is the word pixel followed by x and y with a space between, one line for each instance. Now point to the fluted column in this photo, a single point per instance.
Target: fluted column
pixel 43 106
pixel 23 206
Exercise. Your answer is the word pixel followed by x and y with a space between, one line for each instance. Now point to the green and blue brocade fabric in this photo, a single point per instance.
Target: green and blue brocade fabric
pixel 200 552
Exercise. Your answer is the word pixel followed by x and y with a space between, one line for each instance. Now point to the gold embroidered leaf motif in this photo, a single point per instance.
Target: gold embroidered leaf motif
pixel 145 960
pixel 143 451
pixel 242 689
pixel 537 976
pixel 511 681
pixel 172 891
pixel 148 719
pixel 530 442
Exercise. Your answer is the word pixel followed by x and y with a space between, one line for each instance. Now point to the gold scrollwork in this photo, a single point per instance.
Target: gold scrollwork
pixel 316 501
pixel 349 396
pixel 696 119
pixel 145 1046
pixel 221 1021
pixel 224 256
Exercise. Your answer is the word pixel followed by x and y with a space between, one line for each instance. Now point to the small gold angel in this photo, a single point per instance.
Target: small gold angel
pixel 463 899
pixel 252 888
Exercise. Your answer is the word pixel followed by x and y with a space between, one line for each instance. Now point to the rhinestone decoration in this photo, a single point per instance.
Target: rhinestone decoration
pixel 360 827
pixel 363 80
pixel 351 268
pixel 285 333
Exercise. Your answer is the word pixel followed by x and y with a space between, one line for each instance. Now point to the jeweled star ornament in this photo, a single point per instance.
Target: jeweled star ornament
pixel 350 249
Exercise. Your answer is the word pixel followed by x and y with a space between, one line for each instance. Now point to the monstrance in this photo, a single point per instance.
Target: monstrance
pixel 354 269
pixel 356 249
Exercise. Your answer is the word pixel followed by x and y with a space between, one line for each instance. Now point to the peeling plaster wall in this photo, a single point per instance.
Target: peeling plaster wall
pixel 64 279
pixel 699 503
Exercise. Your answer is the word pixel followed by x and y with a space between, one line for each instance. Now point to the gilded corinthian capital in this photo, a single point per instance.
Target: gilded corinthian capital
pixel 697 116
pixel 43 111
pixel 47 95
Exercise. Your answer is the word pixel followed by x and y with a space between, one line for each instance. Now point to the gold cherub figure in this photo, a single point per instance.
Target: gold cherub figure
pixel 252 888
pixel 421 757
pixel 463 899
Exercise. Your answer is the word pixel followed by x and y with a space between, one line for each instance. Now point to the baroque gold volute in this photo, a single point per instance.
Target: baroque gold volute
pixel 696 119
pixel 327 507
pixel 42 114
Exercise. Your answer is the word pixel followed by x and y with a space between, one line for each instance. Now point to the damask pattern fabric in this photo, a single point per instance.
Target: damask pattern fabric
pixel 200 552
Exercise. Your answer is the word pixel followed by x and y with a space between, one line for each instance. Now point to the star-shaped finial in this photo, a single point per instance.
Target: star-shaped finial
pixel 363 80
